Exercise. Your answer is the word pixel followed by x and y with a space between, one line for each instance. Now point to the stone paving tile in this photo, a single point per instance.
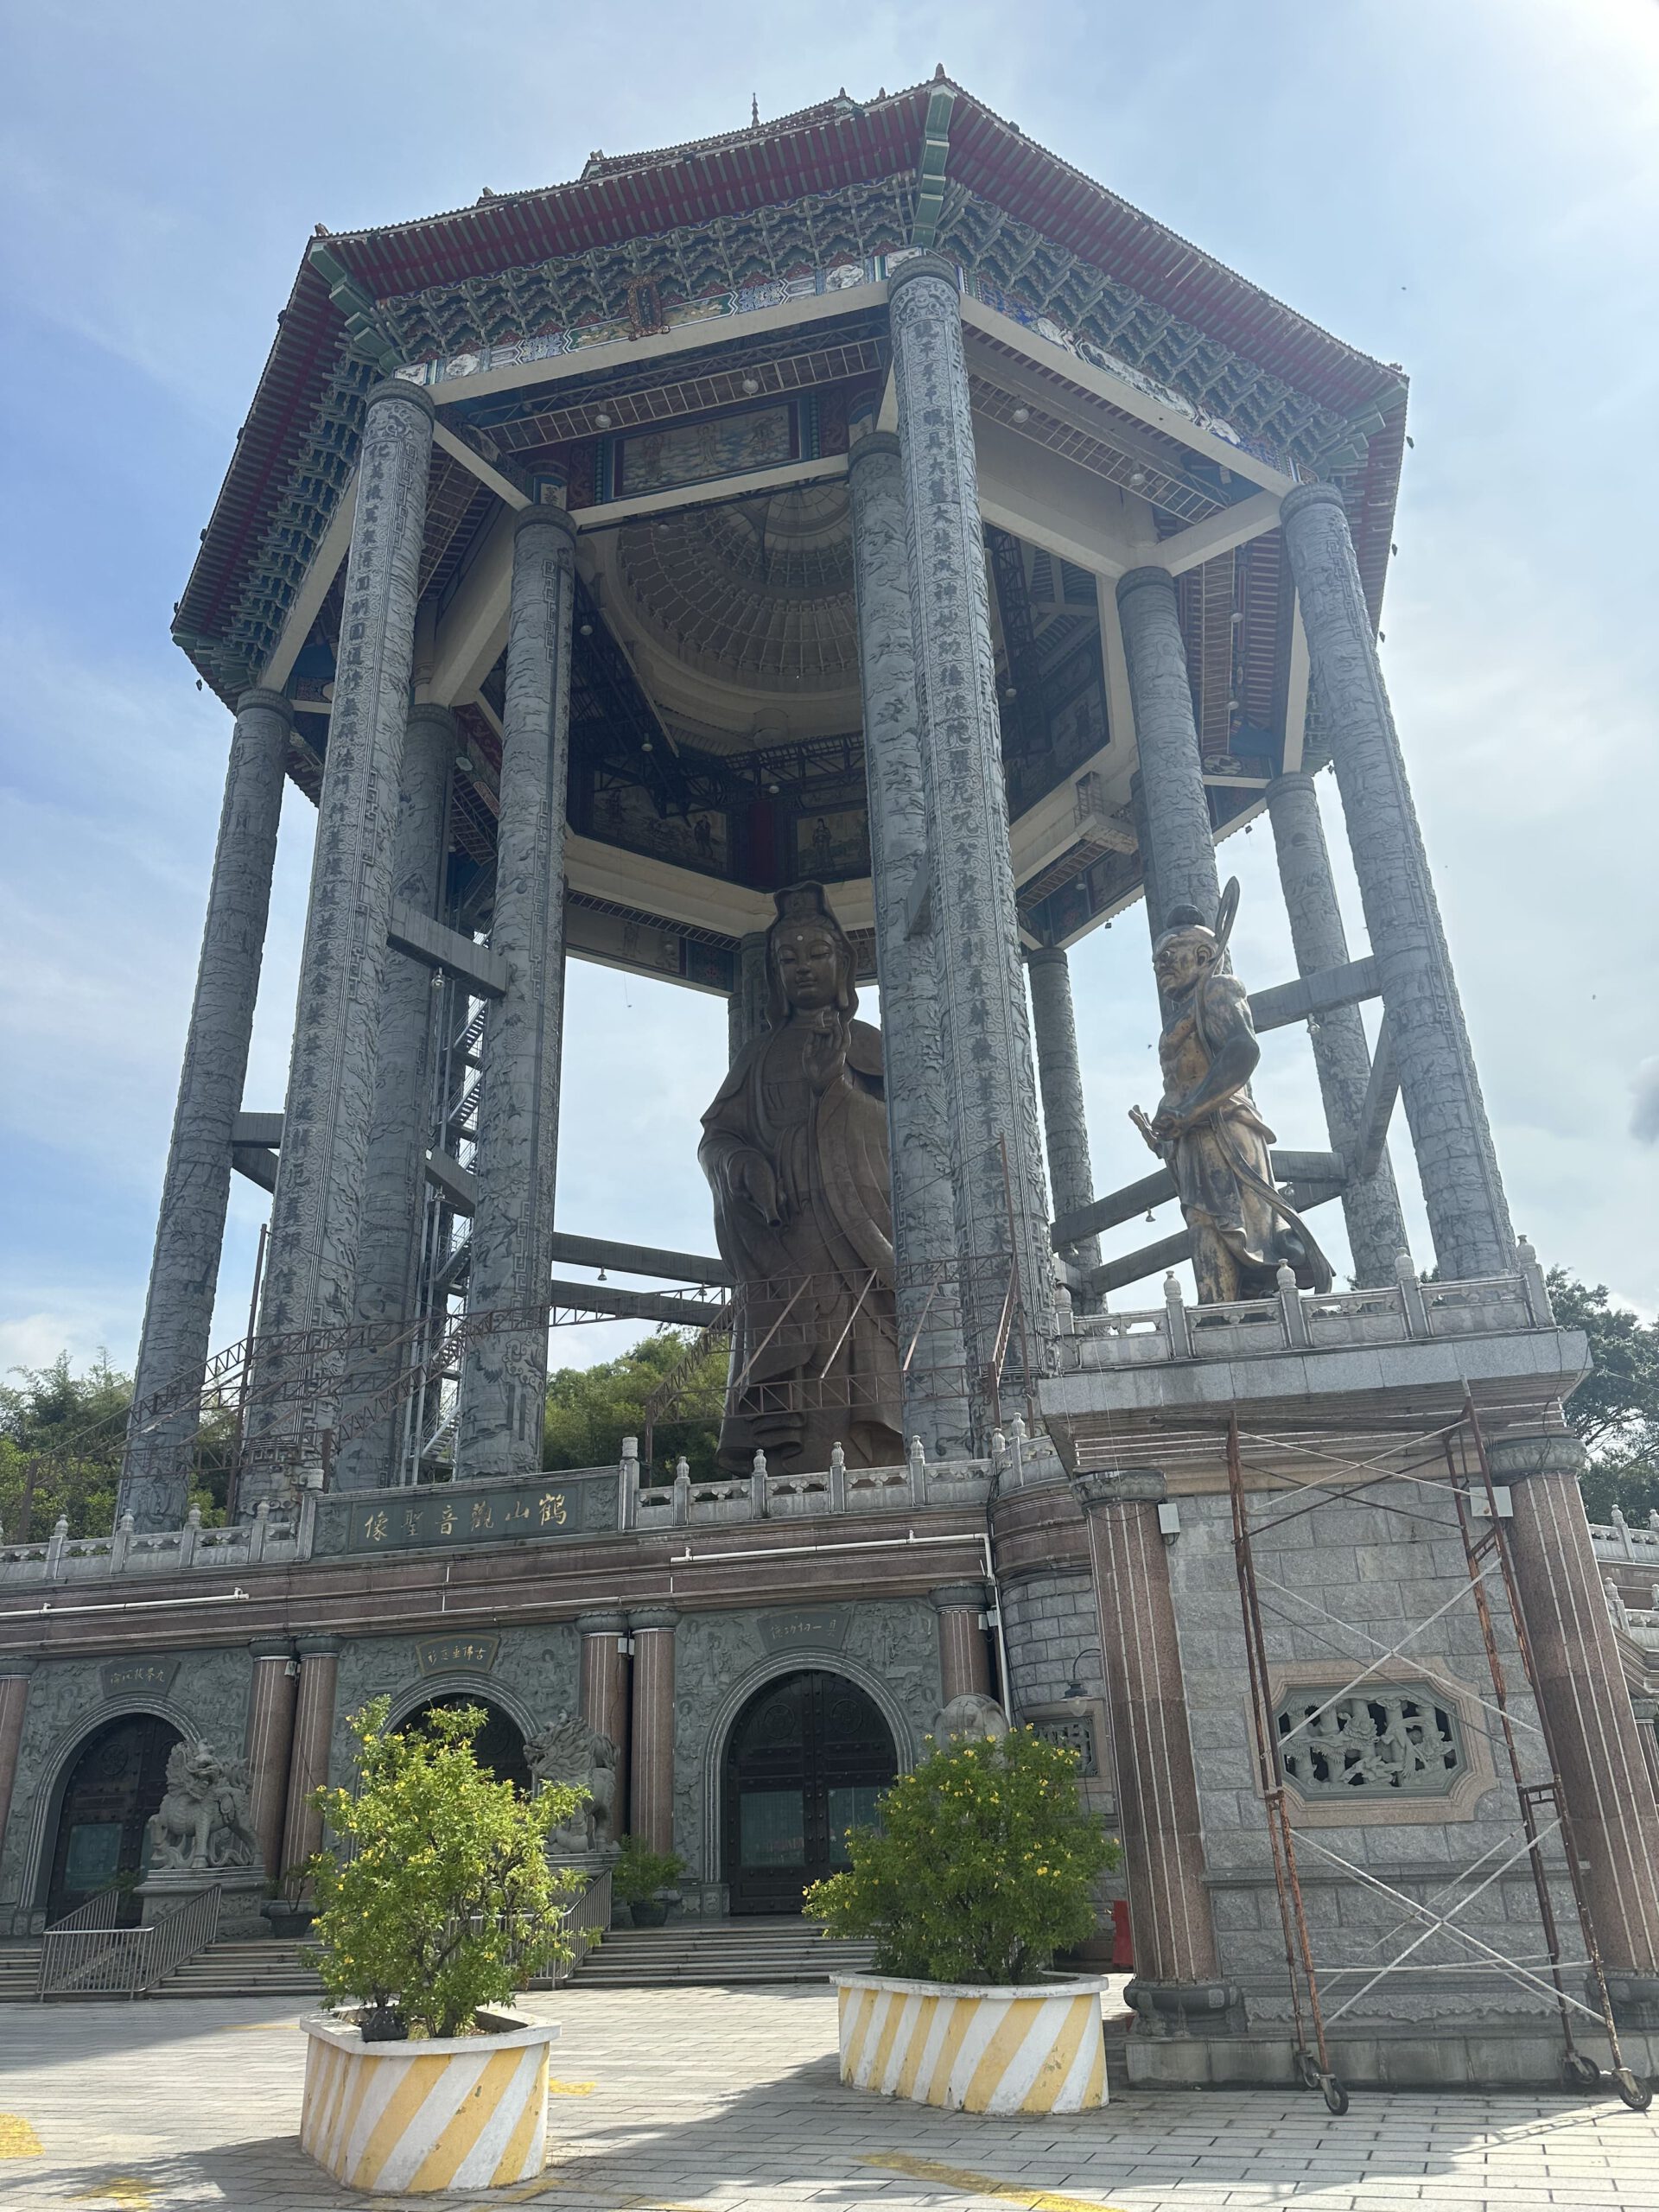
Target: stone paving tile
pixel 712 2100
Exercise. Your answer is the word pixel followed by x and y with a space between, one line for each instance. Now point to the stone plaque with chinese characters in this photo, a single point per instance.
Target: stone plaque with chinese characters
pixel 822 1626
pixel 441 1655
pixel 450 1515
pixel 127 1677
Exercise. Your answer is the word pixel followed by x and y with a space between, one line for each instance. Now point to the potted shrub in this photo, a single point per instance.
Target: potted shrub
pixel 290 1919
pixel 983 1868
pixel 639 1875
pixel 437 1906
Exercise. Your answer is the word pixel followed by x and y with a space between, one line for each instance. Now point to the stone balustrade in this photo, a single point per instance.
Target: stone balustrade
pixel 269 1539
pixel 761 1495
pixel 1404 1311
pixel 549 1508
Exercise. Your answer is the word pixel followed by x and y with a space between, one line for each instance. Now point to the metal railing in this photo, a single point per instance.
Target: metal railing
pixel 97 1959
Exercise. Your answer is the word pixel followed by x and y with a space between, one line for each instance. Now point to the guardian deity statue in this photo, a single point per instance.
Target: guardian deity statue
pixel 795 1148
pixel 1207 1129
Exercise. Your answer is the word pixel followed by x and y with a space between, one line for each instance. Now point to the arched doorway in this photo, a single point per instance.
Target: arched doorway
pixel 498 1745
pixel 807 1758
pixel 115 1783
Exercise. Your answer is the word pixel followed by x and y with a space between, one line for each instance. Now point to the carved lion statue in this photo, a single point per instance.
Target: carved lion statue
pixel 204 1820
pixel 568 1751
pixel 970 1719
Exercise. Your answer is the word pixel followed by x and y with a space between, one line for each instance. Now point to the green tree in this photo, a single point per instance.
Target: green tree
pixel 1615 1410
pixel 61 1439
pixel 591 1409
pixel 61 1435
pixel 442 1900
pixel 983 1868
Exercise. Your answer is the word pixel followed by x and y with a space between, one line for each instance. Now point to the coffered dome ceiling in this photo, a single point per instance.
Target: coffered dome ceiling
pixel 757 593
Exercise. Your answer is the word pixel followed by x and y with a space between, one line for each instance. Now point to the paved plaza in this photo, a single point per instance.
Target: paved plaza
pixel 730 2099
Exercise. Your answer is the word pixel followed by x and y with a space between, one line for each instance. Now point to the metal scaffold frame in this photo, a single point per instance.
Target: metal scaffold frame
pixel 1354 1468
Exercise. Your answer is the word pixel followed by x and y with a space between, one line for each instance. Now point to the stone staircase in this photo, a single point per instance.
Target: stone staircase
pixel 20 1967
pixel 259 1969
pixel 686 1953
pixel 725 1952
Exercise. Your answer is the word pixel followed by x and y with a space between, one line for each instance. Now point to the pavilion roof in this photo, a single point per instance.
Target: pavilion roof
pixel 820 149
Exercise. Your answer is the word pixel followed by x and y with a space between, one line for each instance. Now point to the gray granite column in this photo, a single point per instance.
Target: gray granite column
pixel 196 1188
pixel 313 1734
pixel 1594 1744
pixel 1071 1175
pixel 746 1010
pixel 1177 845
pixel 650 1795
pixel 1468 1214
pixel 936 1403
pixel 1376 1228
pixel 505 1384
pixel 990 1084
pixel 1177 1971
pixel 15 1671
pixel 316 1214
pixel 394 1190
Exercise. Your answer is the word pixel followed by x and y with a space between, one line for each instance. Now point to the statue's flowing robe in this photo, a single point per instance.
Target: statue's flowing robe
pixel 1219 1204
pixel 814 1356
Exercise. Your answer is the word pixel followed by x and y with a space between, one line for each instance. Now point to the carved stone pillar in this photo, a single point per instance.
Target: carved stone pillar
pixel 1587 1707
pixel 316 1214
pixel 1376 1228
pixel 389 1252
pixel 1178 844
pixel 1468 1214
pixel 651 1775
pixel 270 1744
pixel 314 1730
pixel 505 1384
pixel 196 1188
pixel 15 1671
pixel 746 1010
pixel 1177 1971
pixel 603 1692
pixel 964 1663
pixel 936 1403
pixel 1070 1172
pixel 990 1083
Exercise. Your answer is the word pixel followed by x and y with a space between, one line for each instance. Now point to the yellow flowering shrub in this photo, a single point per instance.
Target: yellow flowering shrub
pixel 983 1868
pixel 438 1898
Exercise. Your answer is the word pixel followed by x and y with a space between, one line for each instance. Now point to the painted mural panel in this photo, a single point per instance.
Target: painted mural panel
pixel 720 445
pixel 833 844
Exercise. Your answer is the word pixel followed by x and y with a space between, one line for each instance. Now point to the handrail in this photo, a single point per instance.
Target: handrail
pixel 101 1911
pixel 125 1961
pixel 86 1961
pixel 180 1935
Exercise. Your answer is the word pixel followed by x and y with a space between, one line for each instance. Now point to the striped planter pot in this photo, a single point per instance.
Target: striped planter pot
pixel 469 2113
pixel 974 2049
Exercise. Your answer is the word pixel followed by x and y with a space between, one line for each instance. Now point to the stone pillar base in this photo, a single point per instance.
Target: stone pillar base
pixel 243 1888
pixel 1177 2008
pixel 1634 2001
pixel 1416 2056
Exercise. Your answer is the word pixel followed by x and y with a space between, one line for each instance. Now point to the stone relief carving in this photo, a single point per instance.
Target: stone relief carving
pixel 1395 1740
pixel 568 1751
pixel 203 1821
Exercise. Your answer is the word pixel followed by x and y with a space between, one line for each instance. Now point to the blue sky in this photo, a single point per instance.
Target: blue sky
pixel 1472 190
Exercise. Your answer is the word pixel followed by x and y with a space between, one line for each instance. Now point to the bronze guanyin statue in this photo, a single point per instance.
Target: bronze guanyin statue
pixel 795 1148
